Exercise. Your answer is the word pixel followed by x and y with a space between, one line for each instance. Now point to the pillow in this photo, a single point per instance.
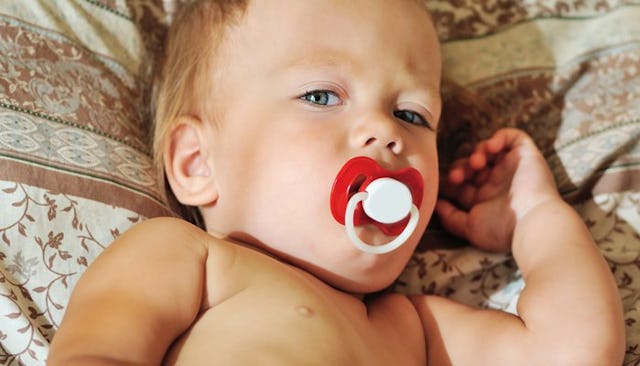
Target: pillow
pixel 75 166
pixel 569 74
pixel 75 169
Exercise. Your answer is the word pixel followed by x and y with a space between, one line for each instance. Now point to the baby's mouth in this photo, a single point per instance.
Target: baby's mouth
pixel 355 176
pixel 355 186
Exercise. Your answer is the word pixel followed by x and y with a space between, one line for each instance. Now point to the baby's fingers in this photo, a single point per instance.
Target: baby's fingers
pixel 453 220
pixel 465 170
pixel 459 172
pixel 505 139
pixel 486 151
pixel 483 155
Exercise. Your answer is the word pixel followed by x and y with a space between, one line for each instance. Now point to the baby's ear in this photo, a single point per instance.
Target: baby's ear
pixel 187 165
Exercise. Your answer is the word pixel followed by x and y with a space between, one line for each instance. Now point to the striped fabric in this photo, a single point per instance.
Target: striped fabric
pixel 75 166
pixel 75 169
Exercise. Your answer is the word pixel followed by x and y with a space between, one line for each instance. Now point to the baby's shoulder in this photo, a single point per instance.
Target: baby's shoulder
pixel 232 267
pixel 161 242
pixel 396 311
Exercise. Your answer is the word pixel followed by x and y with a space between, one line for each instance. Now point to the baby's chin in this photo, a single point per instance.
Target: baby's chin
pixel 360 272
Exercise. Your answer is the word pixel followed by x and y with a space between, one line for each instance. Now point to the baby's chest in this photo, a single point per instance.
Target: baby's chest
pixel 294 325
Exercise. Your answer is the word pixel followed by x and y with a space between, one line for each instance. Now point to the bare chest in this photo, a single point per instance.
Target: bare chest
pixel 299 323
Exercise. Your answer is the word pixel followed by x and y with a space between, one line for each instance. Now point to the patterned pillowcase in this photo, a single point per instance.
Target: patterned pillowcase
pixel 75 166
pixel 566 72
pixel 75 169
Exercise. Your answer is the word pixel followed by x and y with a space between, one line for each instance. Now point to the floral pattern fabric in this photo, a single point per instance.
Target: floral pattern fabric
pixel 75 169
pixel 75 166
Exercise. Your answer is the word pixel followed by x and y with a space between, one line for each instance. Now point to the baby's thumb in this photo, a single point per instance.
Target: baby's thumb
pixel 452 219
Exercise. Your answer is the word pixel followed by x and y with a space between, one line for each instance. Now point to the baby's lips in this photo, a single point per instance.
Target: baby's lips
pixel 354 177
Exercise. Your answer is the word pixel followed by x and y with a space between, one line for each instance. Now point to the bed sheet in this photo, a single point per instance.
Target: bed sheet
pixel 75 169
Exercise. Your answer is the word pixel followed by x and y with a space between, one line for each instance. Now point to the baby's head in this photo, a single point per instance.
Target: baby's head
pixel 259 104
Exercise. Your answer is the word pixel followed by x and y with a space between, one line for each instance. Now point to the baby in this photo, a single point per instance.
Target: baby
pixel 305 134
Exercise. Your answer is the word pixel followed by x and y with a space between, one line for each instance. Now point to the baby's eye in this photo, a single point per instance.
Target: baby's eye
pixel 321 97
pixel 412 117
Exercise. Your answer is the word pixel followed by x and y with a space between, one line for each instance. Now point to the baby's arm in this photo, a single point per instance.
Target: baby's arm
pixel 569 312
pixel 137 297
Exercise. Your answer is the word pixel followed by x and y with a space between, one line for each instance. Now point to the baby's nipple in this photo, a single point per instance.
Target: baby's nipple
pixel 304 311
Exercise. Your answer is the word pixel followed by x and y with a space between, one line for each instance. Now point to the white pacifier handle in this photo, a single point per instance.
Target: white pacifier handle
pixel 385 200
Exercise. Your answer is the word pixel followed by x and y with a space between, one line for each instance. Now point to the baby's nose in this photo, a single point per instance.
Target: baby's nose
pixel 379 133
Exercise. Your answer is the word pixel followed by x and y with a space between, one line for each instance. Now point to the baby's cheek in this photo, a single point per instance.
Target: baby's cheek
pixel 429 201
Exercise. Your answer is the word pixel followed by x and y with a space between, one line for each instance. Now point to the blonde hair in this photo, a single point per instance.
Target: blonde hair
pixel 183 72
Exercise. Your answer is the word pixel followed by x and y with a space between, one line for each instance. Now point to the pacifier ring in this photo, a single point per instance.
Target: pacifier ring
pixel 377 249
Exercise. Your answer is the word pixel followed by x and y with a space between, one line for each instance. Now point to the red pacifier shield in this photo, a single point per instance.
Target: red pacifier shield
pixel 356 175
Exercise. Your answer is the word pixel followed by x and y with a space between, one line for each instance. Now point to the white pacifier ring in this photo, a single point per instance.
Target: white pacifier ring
pixel 385 200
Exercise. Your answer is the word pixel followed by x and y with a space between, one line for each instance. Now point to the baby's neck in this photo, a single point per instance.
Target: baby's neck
pixel 261 249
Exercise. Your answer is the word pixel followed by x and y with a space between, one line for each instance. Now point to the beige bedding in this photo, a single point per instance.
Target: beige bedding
pixel 75 169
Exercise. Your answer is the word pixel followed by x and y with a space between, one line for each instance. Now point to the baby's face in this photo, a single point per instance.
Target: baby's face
pixel 305 86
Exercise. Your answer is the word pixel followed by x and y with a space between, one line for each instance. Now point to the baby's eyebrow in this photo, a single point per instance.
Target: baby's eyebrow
pixel 328 58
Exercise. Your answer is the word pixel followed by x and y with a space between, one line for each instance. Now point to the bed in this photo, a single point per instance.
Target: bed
pixel 75 166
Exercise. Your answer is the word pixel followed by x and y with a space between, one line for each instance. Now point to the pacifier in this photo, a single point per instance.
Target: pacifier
pixel 365 193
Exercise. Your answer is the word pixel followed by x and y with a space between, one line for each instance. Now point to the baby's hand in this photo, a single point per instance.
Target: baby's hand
pixel 486 194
